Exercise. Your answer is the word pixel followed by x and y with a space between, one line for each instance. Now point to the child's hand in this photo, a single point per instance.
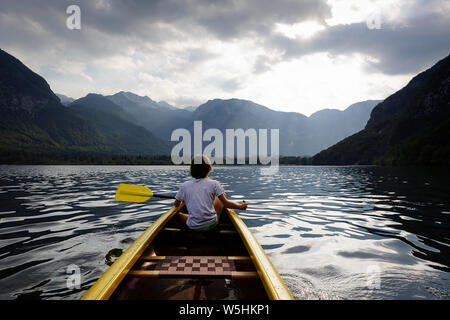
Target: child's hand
pixel 243 205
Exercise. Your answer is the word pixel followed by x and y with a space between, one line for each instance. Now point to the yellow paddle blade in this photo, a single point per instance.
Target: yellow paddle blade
pixel 132 193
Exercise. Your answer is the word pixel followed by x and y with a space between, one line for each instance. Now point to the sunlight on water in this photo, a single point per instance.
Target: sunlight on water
pixel 331 232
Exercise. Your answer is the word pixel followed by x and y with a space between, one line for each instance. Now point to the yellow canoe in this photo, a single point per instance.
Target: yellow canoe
pixel 169 262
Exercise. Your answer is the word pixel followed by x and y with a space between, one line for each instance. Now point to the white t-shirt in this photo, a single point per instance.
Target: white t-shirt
pixel 198 195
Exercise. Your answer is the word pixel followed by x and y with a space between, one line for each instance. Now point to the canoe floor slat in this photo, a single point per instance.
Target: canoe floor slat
pixel 159 274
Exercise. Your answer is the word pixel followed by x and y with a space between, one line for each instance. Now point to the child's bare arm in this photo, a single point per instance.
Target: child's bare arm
pixel 177 203
pixel 231 204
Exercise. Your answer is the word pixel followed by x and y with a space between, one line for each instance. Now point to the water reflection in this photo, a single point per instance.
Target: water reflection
pixel 323 227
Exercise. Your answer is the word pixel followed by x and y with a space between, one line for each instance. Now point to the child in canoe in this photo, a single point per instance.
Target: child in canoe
pixel 204 198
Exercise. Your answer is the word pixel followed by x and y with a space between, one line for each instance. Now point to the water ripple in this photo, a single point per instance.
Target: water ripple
pixel 326 229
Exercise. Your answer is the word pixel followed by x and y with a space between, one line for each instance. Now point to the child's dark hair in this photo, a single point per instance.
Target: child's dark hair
pixel 200 166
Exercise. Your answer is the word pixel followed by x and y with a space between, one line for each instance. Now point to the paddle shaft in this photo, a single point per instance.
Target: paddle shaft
pixel 163 196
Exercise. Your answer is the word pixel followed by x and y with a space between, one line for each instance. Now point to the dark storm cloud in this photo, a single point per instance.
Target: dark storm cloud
pixel 231 19
pixel 111 27
pixel 394 49
pixel 107 27
pixel 223 19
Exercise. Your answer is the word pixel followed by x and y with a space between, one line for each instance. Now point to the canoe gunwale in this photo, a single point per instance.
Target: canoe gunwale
pixel 273 283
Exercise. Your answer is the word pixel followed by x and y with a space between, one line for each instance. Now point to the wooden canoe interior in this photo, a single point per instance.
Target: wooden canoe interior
pixel 182 264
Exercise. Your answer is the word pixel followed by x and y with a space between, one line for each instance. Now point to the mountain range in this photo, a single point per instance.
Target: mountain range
pixel 410 127
pixel 35 122
pixel 301 135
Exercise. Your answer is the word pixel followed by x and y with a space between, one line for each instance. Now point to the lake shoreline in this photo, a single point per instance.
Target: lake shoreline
pixel 125 160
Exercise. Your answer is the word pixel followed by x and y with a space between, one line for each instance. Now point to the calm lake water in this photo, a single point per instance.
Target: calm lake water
pixel 331 232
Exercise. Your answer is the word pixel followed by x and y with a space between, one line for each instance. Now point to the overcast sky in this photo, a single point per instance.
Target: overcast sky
pixel 299 55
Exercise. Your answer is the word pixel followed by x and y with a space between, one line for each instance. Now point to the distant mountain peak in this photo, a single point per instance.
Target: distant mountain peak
pixel 130 94
pixel 65 100
pixel 190 108
pixel 94 95
pixel 363 108
pixel 125 97
pixel 167 105
pixel 232 104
